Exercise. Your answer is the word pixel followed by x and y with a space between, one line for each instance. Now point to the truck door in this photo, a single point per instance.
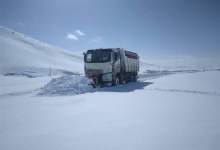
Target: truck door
pixel 116 62
pixel 122 61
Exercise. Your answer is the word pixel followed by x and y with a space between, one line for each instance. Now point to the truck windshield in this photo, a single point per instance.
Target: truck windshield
pixel 98 56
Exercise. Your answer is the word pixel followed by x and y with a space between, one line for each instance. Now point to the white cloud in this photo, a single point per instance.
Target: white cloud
pixel 72 36
pixel 80 33
pixel 20 24
pixel 97 39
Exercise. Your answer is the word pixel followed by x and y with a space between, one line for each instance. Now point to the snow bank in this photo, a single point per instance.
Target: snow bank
pixel 66 85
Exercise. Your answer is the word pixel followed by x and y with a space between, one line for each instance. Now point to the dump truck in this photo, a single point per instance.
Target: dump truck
pixel 111 66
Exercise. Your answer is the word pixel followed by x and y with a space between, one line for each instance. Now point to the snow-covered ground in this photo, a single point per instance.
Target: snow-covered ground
pixel 50 105
pixel 179 111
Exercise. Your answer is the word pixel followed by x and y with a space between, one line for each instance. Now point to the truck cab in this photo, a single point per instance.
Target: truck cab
pixel 110 66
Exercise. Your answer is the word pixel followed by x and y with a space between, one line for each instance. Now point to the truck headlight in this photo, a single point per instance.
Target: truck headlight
pixel 107 77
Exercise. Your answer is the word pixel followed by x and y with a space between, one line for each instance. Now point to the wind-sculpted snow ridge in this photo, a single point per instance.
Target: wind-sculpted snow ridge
pixel 66 85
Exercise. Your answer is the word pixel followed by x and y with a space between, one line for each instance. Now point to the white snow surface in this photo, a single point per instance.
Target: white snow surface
pixel 179 111
pixel 13 85
pixel 46 104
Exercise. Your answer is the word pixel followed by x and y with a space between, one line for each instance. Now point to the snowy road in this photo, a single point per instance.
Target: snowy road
pixel 180 111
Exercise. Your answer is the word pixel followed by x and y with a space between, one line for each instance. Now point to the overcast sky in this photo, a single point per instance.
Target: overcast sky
pixel 150 27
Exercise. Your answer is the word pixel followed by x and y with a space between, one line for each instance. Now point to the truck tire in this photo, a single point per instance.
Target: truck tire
pixel 122 80
pixel 93 85
pixel 134 78
pixel 116 81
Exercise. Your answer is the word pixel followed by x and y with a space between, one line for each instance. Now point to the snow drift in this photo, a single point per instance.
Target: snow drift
pixel 66 85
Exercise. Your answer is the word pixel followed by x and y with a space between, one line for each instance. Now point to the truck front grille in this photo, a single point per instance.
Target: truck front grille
pixel 92 72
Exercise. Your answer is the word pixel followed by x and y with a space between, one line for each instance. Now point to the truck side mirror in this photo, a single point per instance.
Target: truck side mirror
pixel 84 55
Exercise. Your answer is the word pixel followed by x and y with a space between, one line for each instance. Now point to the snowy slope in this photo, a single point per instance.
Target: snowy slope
pixel 20 52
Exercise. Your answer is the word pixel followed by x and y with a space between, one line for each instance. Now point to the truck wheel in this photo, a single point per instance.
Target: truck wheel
pixel 93 85
pixel 116 81
pixel 135 78
pixel 123 81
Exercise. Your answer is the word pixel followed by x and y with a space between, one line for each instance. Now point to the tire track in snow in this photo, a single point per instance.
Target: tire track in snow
pixel 17 93
pixel 186 91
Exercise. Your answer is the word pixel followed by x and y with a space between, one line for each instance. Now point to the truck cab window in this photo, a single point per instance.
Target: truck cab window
pixel 105 57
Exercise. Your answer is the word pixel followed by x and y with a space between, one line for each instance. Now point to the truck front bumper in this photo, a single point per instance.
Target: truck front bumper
pixel 107 77
pixel 100 79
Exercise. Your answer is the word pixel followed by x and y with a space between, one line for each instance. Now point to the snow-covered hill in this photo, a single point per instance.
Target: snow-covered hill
pixel 19 53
